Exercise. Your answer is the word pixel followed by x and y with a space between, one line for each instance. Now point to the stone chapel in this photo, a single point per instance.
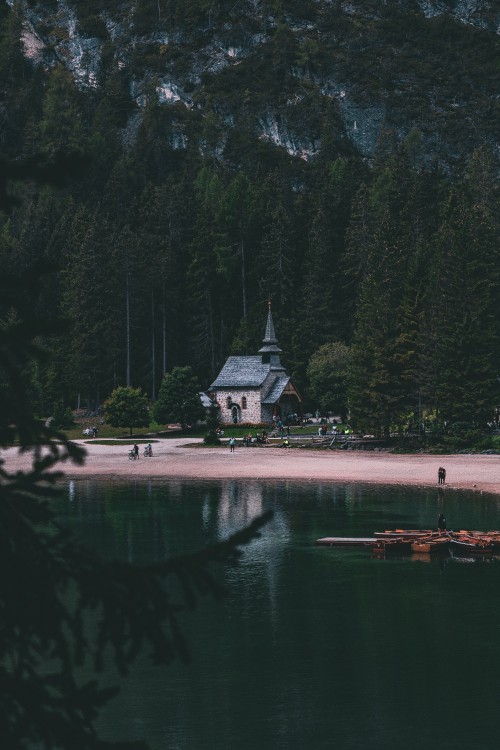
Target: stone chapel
pixel 256 388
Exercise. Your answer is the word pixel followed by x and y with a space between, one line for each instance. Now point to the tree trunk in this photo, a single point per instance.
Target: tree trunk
pixel 164 335
pixel 127 312
pixel 243 281
pixel 153 352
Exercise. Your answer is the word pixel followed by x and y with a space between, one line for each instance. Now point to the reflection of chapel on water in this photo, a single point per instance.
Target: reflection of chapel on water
pixel 256 388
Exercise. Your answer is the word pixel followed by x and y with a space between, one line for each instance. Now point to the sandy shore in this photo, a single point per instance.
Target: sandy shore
pixel 181 459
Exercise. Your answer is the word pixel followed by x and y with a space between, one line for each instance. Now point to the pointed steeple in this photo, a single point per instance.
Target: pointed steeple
pixel 270 350
pixel 270 336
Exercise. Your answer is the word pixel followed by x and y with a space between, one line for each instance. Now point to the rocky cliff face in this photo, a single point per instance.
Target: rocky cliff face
pixel 293 74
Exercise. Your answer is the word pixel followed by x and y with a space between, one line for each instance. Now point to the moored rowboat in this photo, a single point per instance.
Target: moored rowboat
pixel 421 541
pixel 433 543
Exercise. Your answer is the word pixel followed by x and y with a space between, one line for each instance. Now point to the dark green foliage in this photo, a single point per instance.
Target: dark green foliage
pixel 328 373
pixel 54 169
pixel 63 416
pixel 188 216
pixel 325 294
pixel 464 325
pixel 90 23
pixel 127 407
pixel 178 398
pixel 63 607
pixel 426 338
pixel 213 425
pixel 61 126
pixel 379 391
pixel 16 81
pixel 278 259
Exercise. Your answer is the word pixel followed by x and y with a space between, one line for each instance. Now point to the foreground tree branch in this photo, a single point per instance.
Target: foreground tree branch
pixel 62 606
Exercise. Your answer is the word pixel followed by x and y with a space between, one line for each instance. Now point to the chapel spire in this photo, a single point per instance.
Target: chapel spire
pixel 270 350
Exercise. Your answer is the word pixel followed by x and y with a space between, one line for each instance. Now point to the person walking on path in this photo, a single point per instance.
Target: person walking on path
pixel 232 441
pixel 136 450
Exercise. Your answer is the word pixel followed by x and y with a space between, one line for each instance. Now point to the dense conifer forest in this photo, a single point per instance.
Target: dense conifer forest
pixel 174 230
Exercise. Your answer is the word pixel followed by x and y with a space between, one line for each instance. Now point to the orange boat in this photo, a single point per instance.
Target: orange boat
pixel 432 543
pixel 423 542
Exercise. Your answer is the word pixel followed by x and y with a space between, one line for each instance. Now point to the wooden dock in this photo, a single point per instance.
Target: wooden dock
pixel 345 541
pixel 366 541
pixel 421 542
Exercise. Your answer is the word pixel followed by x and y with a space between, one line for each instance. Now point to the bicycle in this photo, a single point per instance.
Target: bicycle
pixel 131 455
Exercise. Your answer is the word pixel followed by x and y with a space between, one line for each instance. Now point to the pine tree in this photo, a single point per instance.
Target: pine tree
pixel 277 260
pixel 323 297
pixel 62 125
pixel 211 298
pixel 238 221
pixel 461 357
pixel 92 298
pixel 16 76
pixel 179 398
pixel 381 373
pixel 49 639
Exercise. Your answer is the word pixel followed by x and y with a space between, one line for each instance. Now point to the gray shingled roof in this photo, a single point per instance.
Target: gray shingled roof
pixel 277 389
pixel 240 372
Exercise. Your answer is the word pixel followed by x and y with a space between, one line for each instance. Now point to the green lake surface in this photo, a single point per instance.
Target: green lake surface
pixel 313 647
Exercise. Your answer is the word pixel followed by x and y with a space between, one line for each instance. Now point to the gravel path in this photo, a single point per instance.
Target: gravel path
pixel 190 459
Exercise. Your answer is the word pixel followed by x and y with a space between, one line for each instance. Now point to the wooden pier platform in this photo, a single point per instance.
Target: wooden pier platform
pixel 346 541
pixel 421 541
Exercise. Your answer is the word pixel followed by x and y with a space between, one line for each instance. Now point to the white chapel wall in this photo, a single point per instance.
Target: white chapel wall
pixel 252 413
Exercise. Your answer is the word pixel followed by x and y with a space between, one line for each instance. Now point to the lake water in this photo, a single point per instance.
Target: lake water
pixel 313 647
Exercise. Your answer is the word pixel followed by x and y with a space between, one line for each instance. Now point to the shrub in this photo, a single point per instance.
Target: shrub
pixel 63 416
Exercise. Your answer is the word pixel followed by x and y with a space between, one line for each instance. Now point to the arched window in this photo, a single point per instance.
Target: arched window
pixel 243 402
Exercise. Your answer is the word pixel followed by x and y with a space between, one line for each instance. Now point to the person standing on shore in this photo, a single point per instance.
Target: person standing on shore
pixel 441 523
pixel 232 441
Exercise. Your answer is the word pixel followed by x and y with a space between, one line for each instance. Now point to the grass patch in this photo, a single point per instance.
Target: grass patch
pixel 119 434
pixel 128 441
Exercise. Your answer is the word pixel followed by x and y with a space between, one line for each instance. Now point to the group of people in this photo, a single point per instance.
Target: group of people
pixel 258 439
pixel 441 475
pixel 250 440
pixel 148 450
